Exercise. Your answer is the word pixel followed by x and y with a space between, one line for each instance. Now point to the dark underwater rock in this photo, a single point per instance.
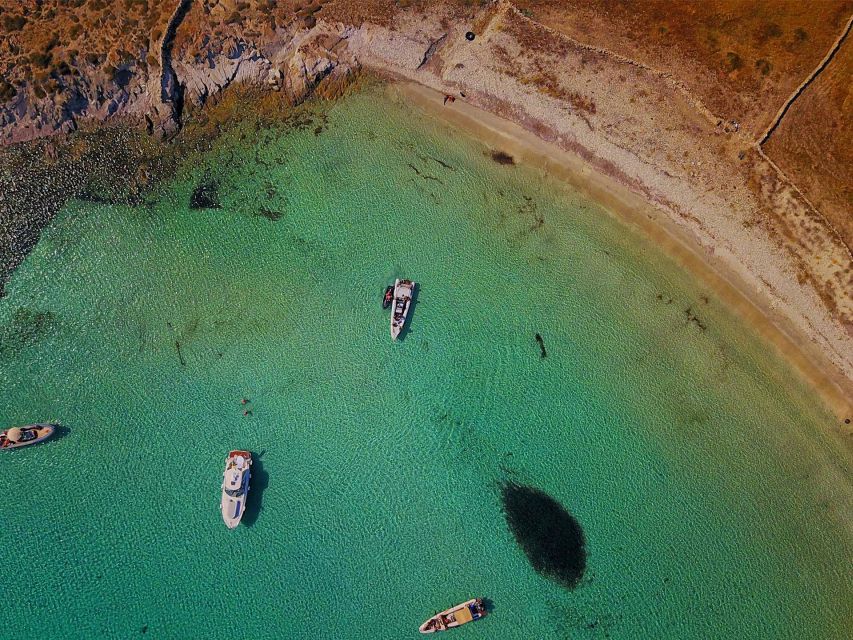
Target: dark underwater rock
pixel 502 157
pixel 551 538
pixel 205 196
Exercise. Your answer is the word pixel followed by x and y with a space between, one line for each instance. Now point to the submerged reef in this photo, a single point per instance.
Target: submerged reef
pixel 205 196
pixel 551 538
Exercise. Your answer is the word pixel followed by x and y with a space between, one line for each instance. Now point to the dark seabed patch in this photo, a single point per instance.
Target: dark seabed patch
pixel 501 157
pixel 269 214
pixel 25 328
pixel 550 537
pixel 205 196
pixel 543 353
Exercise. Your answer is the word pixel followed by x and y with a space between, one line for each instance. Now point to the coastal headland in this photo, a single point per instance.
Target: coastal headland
pixel 691 121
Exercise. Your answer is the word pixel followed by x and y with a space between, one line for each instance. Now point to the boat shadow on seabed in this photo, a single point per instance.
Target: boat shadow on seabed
pixel 258 482
pixel 60 431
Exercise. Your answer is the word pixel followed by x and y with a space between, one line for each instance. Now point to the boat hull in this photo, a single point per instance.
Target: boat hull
pixel 404 291
pixel 235 487
pixel 455 616
pixel 42 433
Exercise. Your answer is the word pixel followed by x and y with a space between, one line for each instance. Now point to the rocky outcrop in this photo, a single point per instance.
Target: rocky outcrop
pixel 171 91
pixel 295 63
pixel 90 94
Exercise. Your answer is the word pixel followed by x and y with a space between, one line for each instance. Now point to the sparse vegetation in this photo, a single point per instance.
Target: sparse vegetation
pixel 13 23
pixel 7 90
pixel 41 60
pixel 733 61
pixel 692 40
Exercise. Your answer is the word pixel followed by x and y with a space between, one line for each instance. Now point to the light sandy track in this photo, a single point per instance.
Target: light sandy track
pixel 667 77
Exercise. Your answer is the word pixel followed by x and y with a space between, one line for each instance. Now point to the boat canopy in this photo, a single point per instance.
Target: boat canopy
pixel 463 615
pixel 233 477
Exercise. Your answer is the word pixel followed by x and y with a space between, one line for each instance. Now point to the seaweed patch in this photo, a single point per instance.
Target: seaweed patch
pixel 25 328
pixel 542 352
pixel 502 157
pixel 269 214
pixel 694 319
pixel 205 196
pixel 180 355
pixel 551 538
pixel 423 175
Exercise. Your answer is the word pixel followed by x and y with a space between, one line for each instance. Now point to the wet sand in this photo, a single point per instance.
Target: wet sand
pixel 834 388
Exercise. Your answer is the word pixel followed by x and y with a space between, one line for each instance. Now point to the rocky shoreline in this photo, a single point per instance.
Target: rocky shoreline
pixel 642 128
pixel 294 62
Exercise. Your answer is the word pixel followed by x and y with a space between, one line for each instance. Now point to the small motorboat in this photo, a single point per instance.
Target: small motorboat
pixel 24 436
pixel 235 487
pixel 403 292
pixel 389 296
pixel 455 616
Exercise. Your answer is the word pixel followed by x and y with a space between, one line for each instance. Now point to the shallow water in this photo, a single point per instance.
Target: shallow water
pixel 710 502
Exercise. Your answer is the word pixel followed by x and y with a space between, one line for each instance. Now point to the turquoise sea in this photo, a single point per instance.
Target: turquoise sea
pixel 712 502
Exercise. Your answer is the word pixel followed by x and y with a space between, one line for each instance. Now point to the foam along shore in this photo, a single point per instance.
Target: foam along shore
pixel 750 305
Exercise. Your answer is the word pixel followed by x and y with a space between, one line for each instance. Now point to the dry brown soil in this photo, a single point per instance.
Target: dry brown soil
pixel 813 144
pixel 742 58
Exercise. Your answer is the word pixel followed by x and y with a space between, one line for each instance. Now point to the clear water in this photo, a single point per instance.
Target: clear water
pixel 712 505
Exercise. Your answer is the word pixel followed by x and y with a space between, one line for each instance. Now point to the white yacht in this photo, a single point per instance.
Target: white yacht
pixel 235 487
pixel 403 292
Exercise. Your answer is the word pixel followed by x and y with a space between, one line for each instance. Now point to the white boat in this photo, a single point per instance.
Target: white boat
pixel 24 436
pixel 403 292
pixel 235 487
pixel 455 616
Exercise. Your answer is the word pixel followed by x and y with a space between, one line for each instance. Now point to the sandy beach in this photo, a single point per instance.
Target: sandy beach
pixel 833 386
pixel 686 165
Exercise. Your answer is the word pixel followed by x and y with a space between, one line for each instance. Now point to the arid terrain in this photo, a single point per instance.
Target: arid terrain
pixel 732 117
pixel 743 60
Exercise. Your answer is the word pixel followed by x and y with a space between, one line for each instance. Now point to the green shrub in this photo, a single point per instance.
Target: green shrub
pixel 763 66
pixel 733 61
pixel 42 60
pixel 14 23
pixel 7 90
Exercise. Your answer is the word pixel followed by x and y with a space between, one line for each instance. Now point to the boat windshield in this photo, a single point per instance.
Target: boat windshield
pixel 234 493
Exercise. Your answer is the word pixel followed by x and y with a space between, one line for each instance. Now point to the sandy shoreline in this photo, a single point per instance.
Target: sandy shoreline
pixel 631 137
pixel 834 388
